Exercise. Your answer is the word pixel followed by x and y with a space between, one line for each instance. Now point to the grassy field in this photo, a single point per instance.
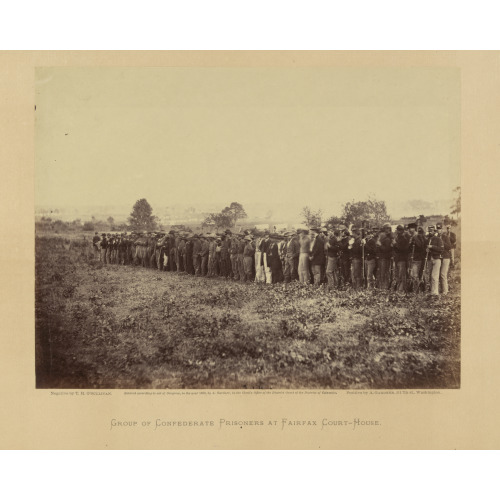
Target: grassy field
pixel 129 327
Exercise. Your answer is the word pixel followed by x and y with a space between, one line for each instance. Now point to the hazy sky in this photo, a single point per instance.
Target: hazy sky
pixel 306 136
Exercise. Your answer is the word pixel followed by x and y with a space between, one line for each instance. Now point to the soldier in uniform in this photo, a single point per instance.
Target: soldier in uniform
pixel 197 254
pixel 131 248
pixel 345 258
pixel 417 255
pixel 355 251
pixel 324 236
pixel 110 248
pixel 274 258
pixel 260 276
pixel 384 255
pixel 150 261
pixel 181 252
pixel 204 255
pixel 104 248
pixel 158 252
pixel 189 255
pixel 371 257
pixel 436 248
pixel 224 255
pixel 96 246
pixel 122 249
pixel 445 260
pixel 332 248
pixel 241 250
pixel 172 257
pixel 234 256
pixel 317 255
pixel 305 247
pixel 248 258
pixel 217 259
pixel 264 248
pixel 453 242
pixel 177 241
pixel 211 256
pixel 400 246
pixel 292 252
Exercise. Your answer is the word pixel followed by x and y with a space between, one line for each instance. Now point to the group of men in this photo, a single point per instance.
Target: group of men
pixel 405 260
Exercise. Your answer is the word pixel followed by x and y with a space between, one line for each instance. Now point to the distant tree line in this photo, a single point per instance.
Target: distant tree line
pixel 374 213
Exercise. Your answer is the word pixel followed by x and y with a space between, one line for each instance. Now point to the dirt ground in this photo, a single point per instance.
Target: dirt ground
pixel 132 327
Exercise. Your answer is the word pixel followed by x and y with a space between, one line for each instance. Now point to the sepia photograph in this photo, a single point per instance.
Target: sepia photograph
pixel 247 227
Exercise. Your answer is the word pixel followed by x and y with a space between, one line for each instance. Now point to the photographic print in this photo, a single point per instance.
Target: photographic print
pixel 247 228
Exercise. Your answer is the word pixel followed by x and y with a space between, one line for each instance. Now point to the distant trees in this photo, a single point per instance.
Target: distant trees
pixel 227 217
pixel 372 211
pixel 235 211
pixel 142 218
pixel 219 220
pixel 310 217
pixel 334 221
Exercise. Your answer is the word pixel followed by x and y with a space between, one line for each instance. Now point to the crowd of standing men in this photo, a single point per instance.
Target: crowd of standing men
pixel 408 260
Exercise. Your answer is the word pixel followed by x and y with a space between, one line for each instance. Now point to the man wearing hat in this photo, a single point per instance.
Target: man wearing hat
pixel 384 254
pixel 233 253
pixel 417 256
pixel 217 258
pixel 260 276
pixel 181 252
pixel 266 256
pixel 356 253
pixel 110 249
pixel 332 248
pixel 122 247
pixel 138 244
pixel 96 246
pixel 224 256
pixel 151 246
pixel 188 254
pixel 240 256
pixel 197 254
pixel 158 251
pixel 292 252
pixel 248 258
pixel 211 255
pixel 103 245
pixel 435 247
pixel 345 257
pixel 453 241
pixel 445 261
pixel 317 256
pixel 401 246
pixel 132 248
pixel 305 248
pixel 427 271
pixel 274 258
pixel 204 255
pixel 371 256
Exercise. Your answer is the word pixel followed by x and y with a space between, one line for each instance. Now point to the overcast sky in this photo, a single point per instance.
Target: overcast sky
pixel 304 136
